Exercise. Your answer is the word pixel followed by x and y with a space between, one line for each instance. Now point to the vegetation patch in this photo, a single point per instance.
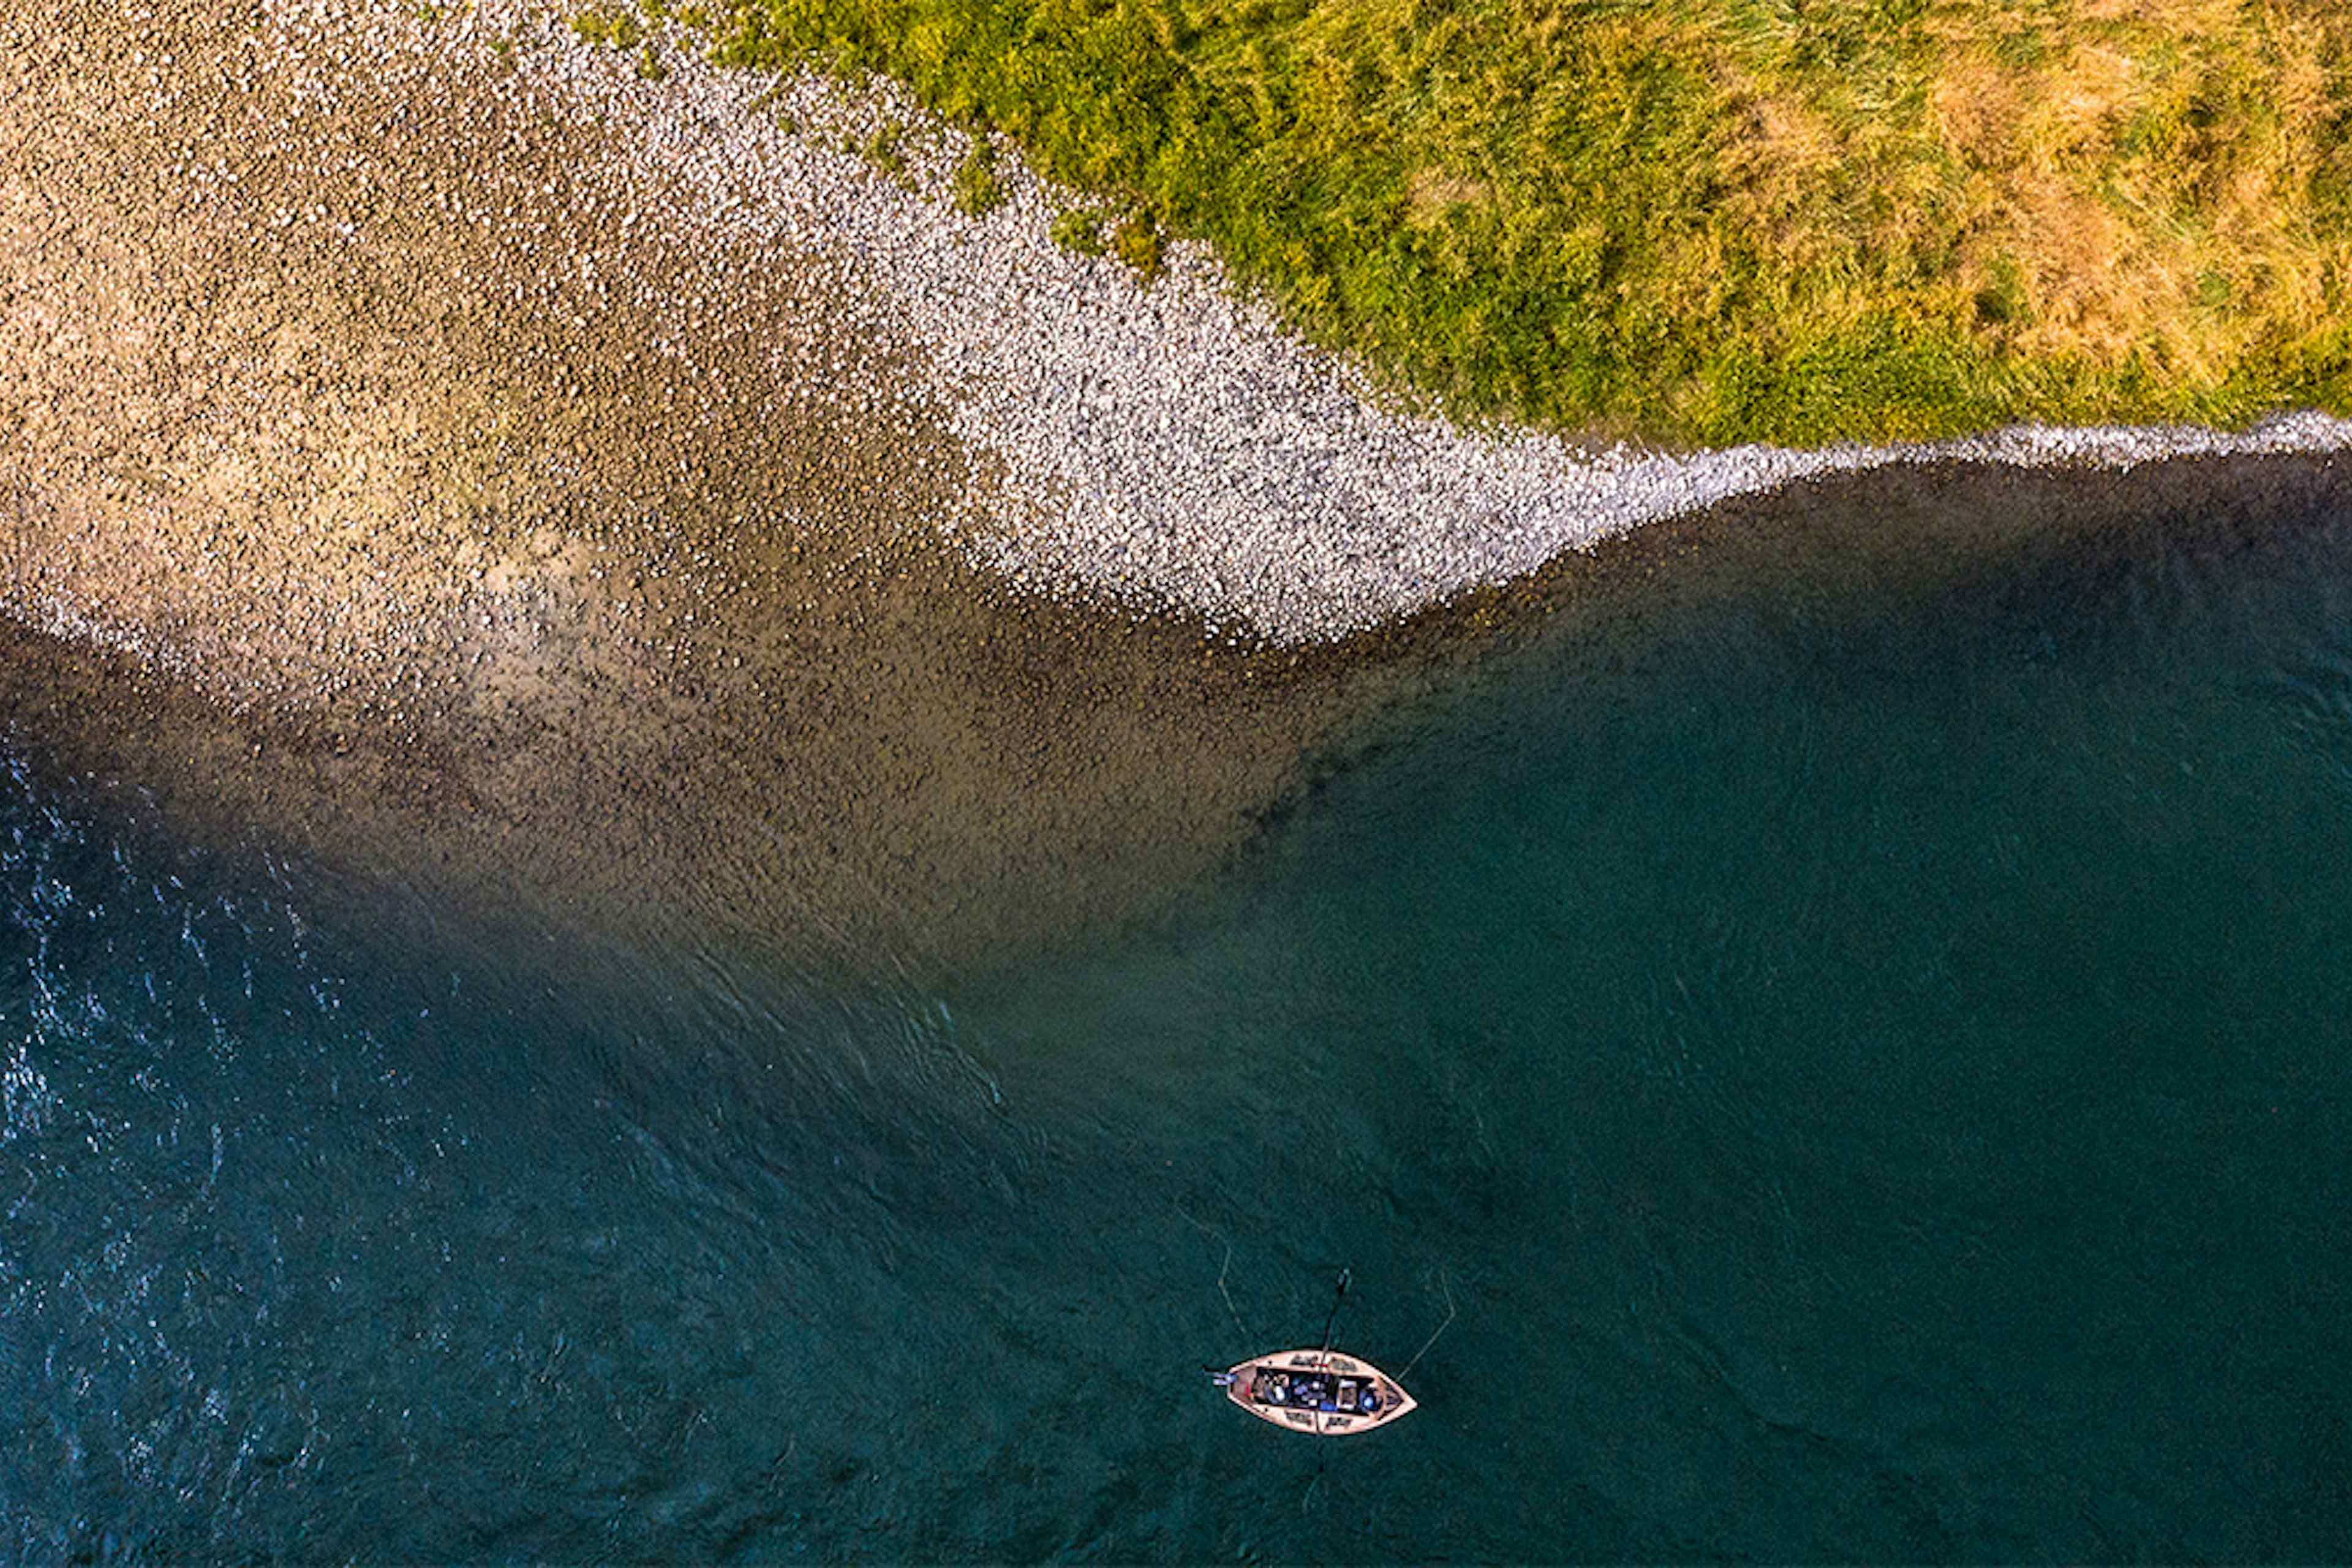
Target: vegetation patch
pixel 886 149
pixel 1701 220
pixel 1135 241
pixel 616 27
pixel 977 188
pixel 1078 230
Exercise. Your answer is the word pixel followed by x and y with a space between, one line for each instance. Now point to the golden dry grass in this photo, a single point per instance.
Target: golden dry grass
pixel 1712 219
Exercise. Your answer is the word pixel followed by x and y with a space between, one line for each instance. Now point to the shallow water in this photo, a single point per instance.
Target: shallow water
pixel 1863 1046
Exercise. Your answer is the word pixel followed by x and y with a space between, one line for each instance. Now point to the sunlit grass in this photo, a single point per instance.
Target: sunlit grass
pixel 1705 220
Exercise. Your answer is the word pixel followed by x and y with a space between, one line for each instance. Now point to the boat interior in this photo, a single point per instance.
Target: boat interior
pixel 1331 1391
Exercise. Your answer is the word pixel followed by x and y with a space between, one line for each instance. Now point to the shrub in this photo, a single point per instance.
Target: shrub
pixel 1135 241
pixel 884 149
pixel 616 28
pixel 977 188
pixel 1079 230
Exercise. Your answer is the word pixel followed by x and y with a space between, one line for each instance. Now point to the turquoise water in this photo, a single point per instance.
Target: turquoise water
pixel 1861 1044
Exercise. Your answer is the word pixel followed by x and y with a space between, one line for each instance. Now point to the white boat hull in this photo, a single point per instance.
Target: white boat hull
pixel 1325 1394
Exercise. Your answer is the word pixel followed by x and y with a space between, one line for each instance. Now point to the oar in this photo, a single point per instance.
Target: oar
pixel 1323 1464
pixel 1328 1324
pixel 1337 1297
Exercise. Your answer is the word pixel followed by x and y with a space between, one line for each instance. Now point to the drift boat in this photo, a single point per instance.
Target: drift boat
pixel 1319 1392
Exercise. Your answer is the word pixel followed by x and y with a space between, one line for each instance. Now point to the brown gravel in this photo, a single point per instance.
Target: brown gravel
pixel 379 478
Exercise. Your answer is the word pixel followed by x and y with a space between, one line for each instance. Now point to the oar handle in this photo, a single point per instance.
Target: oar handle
pixel 1336 1297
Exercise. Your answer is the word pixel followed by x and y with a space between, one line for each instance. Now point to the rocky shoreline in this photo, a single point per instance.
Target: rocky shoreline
pixel 1168 443
pixel 621 483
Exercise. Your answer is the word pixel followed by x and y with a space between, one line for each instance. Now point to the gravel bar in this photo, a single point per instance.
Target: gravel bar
pixel 1170 443
pixel 1164 445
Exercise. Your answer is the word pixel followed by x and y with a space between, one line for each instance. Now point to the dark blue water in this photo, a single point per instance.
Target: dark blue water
pixel 1865 1049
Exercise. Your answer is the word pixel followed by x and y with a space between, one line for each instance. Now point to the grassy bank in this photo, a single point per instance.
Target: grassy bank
pixel 1708 220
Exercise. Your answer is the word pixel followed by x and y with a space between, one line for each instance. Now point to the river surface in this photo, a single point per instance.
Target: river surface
pixel 1865 1053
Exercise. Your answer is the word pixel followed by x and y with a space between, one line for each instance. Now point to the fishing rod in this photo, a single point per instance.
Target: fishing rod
pixel 1451 1312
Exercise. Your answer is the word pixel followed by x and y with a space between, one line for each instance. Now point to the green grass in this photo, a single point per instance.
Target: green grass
pixel 1702 220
